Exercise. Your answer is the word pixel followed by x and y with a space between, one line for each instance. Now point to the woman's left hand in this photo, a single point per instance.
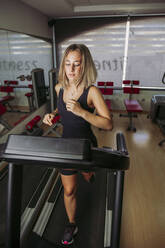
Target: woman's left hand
pixel 74 106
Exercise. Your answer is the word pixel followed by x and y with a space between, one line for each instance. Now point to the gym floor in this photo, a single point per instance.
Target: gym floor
pixel 11 118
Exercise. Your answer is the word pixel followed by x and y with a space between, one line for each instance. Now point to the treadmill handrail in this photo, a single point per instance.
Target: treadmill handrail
pixel 99 157
pixel 121 144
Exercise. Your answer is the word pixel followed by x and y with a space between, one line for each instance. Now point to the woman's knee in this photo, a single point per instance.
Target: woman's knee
pixel 70 191
pixel 69 184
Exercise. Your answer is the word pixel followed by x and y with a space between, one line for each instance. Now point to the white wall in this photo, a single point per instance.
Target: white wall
pixel 17 16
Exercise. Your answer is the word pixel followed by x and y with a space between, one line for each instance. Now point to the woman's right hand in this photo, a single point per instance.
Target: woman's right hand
pixel 48 119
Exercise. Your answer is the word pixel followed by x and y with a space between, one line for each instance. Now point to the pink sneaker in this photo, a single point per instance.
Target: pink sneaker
pixel 70 231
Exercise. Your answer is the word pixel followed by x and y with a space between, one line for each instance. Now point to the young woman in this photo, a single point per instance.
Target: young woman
pixel 77 100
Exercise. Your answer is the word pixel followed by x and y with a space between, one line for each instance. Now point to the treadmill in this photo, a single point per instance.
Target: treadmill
pixel 33 181
pixel 99 204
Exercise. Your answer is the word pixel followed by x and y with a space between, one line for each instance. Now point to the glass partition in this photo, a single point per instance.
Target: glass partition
pixel 105 42
pixel 20 54
pixel 146 51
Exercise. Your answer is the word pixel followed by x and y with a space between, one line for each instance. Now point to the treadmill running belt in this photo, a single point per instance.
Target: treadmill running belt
pixel 90 214
pixel 35 241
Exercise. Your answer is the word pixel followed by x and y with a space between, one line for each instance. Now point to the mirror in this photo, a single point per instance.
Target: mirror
pixel 20 55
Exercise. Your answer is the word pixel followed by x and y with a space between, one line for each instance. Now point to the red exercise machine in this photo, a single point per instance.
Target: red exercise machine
pixel 132 105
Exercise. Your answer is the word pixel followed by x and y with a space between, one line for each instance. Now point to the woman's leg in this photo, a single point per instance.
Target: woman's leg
pixel 70 186
pixel 88 175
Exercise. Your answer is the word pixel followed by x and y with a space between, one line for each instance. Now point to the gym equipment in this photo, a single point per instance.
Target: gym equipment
pixel 106 89
pixel 157 113
pixel 32 128
pixel 132 105
pixel 56 118
pixel 30 98
pixel 55 124
pixel 52 92
pixel 156 102
pixel 6 99
pixel 2 121
pixel 60 153
pixel 21 77
pixel 10 82
pixel 39 88
pixel 53 102
pixel 34 183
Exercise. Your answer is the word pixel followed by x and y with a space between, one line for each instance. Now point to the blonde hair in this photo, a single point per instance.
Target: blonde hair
pixel 88 70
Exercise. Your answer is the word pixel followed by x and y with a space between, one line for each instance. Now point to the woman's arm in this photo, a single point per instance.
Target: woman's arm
pixel 102 119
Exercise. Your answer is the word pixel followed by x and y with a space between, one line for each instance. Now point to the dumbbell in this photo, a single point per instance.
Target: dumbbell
pixel 32 128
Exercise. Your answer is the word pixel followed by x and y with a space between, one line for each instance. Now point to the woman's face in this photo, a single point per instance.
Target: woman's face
pixel 73 66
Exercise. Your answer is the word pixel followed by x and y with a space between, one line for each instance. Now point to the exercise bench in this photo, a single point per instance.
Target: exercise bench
pixel 106 89
pixel 10 82
pixel 132 105
pixel 2 120
pixel 7 98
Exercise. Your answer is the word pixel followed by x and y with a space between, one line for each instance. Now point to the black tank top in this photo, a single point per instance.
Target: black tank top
pixel 75 126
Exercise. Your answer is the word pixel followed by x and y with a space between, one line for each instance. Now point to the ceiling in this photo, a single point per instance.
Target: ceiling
pixel 76 8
